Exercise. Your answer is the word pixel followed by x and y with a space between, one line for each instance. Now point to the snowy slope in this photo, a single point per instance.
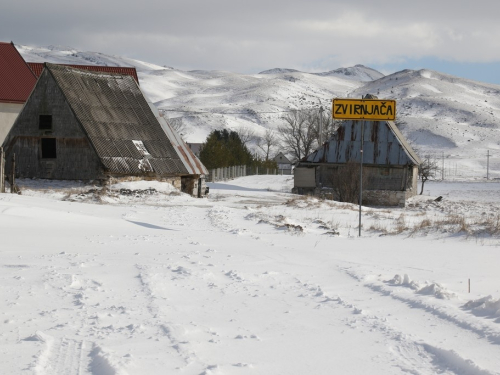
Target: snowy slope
pixel 443 111
pixel 68 55
pixel 445 116
pixel 251 280
pixel 209 100
pixel 357 73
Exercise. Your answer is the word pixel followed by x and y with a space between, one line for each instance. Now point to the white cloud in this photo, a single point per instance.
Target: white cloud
pixel 244 36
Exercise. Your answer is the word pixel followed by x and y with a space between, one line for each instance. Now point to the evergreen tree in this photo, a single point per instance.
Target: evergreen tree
pixel 224 148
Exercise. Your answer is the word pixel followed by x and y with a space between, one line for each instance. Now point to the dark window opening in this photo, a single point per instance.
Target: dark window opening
pixel 45 122
pixel 385 171
pixel 49 148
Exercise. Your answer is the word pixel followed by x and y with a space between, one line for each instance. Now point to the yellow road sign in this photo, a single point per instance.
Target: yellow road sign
pixel 364 109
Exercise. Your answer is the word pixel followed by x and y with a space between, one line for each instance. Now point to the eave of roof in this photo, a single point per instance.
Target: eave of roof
pixel 37 69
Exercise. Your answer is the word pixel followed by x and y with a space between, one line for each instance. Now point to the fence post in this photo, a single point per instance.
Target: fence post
pixel 13 177
pixel 2 171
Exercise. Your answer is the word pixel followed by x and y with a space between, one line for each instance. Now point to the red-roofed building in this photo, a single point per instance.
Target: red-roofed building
pixel 18 78
pixel 16 83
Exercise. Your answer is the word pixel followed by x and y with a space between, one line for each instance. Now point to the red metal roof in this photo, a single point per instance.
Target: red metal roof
pixel 16 78
pixel 37 68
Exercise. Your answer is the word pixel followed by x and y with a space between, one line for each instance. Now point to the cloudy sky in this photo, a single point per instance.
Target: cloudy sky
pixel 456 37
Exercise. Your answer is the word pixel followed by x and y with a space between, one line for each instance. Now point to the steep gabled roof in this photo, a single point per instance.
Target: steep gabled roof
pixel 281 158
pixel 120 122
pixel 383 144
pixel 16 78
pixel 37 69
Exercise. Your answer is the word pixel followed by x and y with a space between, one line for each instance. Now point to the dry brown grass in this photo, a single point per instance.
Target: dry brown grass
pixel 401 224
pixel 454 223
pixel 378 227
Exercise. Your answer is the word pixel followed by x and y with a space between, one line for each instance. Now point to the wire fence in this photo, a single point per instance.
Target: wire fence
pixel 449 167
pixel 454 167
pixel 222 174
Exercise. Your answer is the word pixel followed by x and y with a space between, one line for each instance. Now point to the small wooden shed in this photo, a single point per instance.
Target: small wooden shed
pixel 389 162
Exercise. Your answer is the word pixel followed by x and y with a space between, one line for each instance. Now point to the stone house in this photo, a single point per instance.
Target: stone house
pixel 84 125
pixel 389 163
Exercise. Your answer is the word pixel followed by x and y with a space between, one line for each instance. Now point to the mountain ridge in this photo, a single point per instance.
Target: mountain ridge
pixel 437 112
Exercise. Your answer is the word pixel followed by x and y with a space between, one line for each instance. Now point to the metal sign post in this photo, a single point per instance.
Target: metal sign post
pixel 370 109
pixel 361 175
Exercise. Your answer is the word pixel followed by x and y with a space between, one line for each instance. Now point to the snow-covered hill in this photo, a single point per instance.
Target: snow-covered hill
pixel 442 114
pixel 356 73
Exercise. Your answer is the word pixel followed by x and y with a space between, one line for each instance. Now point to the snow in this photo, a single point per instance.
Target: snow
pixel 251 280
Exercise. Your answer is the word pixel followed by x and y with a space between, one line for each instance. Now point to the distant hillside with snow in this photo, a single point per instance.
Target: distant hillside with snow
pixel 442 114
pixel 356 73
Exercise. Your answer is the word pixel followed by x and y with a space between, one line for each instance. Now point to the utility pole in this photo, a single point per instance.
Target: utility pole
pixel 442 168
pixel 488 165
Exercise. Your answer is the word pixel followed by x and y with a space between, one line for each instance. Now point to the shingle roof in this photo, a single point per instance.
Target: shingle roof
pixel 119 122
pixel 16 78
pixel 37 69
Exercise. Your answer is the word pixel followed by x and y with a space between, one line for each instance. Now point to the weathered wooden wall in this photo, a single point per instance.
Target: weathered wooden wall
pixel 377 177
pixel 76 159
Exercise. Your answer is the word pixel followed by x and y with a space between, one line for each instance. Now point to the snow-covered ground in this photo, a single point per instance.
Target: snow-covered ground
pixel 141 279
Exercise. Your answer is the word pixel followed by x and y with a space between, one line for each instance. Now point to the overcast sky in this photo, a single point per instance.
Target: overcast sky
pixel 456 37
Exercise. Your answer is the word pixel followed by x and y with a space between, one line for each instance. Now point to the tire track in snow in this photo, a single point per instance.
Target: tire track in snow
pixel 446 357
pixel 173 332
pixel 62 356
pixel 408 355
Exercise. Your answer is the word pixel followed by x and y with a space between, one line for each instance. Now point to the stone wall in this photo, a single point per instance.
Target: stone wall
pixel 384 198
pixel 385 186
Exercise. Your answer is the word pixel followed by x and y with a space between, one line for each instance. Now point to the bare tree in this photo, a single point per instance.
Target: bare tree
pixel 345 181
pixel 298 133
pixel 426 170
pixel 301 132
pixel 268 142
pixel 325 124
pixel 246 134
